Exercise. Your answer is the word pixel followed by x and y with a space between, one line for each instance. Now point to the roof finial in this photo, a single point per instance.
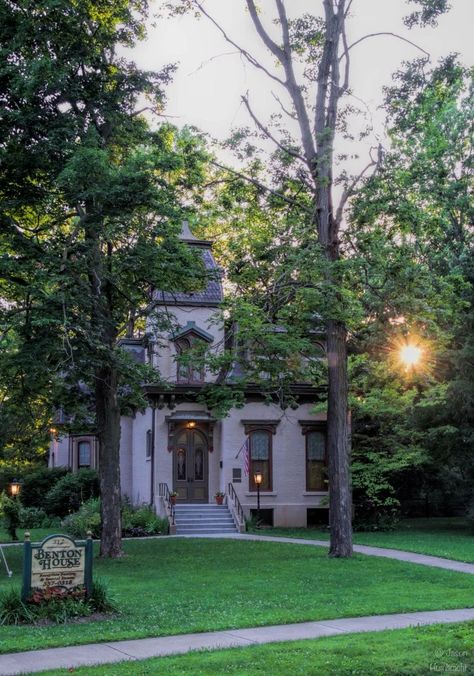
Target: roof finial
pixel 186 233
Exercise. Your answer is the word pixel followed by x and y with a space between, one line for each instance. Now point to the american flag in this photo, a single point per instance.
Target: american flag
pixel 246 456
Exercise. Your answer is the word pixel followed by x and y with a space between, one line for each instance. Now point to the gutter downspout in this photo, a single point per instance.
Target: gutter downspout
pixel 152 460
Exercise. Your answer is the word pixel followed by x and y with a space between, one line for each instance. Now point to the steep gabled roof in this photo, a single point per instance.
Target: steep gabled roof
pixel 212 295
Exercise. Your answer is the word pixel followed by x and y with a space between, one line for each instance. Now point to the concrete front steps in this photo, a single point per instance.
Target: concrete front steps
pixel 201 519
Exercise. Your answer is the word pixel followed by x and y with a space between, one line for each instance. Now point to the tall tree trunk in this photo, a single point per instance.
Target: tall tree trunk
pixel 108 431
pixel 106 401
pixel 317 141
pixel 340 494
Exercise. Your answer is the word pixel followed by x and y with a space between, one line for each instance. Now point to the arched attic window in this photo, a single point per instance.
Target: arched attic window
pixel 193 340
pixel 187 371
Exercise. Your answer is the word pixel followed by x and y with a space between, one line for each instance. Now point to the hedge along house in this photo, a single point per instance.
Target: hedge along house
pixel 177 444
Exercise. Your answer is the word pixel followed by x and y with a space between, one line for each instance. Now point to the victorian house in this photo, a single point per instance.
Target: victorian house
pixel 177 445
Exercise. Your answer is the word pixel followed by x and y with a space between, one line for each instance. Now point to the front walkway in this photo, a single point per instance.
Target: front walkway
pixel 140 649
pixel 397 554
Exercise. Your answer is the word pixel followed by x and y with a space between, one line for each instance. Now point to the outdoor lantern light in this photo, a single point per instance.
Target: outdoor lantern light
pixel 15 488
pixel 191 424
pixel 258 478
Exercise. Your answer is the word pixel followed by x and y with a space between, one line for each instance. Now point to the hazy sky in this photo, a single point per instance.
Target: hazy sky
pixel 210 81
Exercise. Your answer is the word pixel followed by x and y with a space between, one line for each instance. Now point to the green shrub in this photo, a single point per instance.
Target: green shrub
pixel 375 506
pixel 141 521
pixel 136 521
pixel 71 491
pixel 13 610
pixel 35 517
pixel 38 483
pixel 10 510
pixel 87 518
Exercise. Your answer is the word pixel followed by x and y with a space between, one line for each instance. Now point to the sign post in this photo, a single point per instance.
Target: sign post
pixel 58 562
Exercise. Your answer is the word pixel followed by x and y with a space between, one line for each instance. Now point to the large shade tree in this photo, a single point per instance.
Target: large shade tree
pixel 91 206
pixel 310 71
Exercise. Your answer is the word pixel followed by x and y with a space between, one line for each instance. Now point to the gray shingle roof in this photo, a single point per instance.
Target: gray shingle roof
pixel 210 296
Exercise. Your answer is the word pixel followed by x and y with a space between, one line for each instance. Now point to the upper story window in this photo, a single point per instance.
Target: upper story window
pixel 187 369
pixel 83 454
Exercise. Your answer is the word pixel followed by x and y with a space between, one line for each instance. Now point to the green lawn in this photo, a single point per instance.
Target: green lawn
pixel 37 534
pixel 413 652
pixel 170 586
pixel 449 538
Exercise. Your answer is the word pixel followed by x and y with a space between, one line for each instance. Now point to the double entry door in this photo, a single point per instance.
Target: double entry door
pixel 190 467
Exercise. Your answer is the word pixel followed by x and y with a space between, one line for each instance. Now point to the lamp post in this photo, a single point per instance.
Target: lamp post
pixel 258 478
pixel 13 520
pixel 15 488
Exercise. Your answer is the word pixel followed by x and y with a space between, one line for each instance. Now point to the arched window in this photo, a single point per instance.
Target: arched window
pixel 83 454
pixel 260 457
pixel 187 371
pixel 316 461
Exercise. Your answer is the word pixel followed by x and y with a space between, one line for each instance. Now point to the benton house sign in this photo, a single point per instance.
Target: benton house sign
pixel 57 563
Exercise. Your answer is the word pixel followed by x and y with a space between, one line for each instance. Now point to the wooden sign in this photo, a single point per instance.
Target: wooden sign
pixel 58 562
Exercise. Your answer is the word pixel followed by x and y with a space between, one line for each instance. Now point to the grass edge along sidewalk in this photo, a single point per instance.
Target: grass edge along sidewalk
pixel 113 652
pixel 445 537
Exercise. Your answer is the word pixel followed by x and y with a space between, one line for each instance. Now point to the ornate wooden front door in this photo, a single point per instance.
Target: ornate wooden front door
pixel 190 466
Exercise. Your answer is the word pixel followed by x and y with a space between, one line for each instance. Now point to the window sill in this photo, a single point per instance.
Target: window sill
pixel 254 494
pixel 316 493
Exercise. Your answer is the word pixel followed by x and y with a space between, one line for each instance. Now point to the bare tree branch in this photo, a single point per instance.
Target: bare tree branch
pixel 213 58
pixel 285 57
pixel 348 8
pixel 350 189
pixel 347 65
pixel 394 35
pixel 267 132
pixel 251 59
pixel 284 109
pixel 266 39
pixel 264 187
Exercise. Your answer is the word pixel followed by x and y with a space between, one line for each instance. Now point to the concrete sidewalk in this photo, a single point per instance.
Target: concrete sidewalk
pixel 397 554
pixel 110 652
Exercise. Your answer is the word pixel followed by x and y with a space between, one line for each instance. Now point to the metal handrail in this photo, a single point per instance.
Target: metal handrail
pixel 238 510
pixel 164 492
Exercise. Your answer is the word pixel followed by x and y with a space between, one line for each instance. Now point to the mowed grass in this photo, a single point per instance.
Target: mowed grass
pixel 37 534
pixel 412 652
pixel 171 585
pixel 450 537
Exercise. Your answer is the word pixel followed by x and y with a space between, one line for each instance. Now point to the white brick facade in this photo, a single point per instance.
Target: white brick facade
pixel 174 412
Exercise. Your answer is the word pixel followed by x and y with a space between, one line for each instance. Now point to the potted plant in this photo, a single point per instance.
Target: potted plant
pixel 173 496
pixel 219 497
